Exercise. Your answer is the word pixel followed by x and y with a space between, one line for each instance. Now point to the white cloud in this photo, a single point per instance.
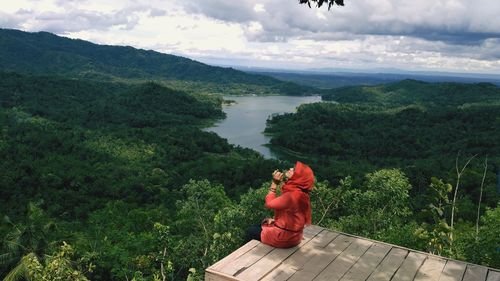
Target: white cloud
pixel 456 20
pixel 451 35
pixel 179 33
pixel 259 8
pixel 320 15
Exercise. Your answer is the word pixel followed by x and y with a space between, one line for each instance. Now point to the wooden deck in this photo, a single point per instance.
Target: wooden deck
pixel 329 255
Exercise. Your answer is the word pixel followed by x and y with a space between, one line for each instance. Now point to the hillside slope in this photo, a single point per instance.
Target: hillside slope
pixel 46 53
pixel 409 91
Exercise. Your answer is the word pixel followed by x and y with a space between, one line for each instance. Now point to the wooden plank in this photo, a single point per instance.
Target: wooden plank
pixel 246 260
pixel 453 271
pixel 234 255
pixel 329 255
pixel 493 275
pixel 268 262
pixel 218 276
pixel 338 267
pixel 322 259
pixel 475 273
pixel 301 256
pixel 410 266
pixel 389 265
pixel 314 229
pixel 431 269
pixel 367 263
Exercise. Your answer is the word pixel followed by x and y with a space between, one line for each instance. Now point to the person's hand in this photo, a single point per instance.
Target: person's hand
pixel 277 177
pixel 268 221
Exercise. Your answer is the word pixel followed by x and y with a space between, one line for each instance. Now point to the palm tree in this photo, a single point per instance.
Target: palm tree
pixel 25 243
pixel 27 268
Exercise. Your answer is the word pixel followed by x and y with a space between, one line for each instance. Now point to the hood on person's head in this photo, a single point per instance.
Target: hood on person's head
pixel 303 176
pixel 302 179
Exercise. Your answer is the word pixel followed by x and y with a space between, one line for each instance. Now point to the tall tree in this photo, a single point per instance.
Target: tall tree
pixel 26 240
pixel 457 185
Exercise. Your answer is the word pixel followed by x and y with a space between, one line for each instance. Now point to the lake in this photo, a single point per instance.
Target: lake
pixel 246 119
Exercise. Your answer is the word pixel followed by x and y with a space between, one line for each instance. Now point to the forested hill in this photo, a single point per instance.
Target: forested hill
pixel 46 53
pixel 442 136
pixel 97 164
pixel 115 180
pixel 407 92
pixel 408 123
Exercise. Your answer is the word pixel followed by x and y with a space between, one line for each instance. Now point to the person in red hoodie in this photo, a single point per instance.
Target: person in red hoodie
pixel 292 209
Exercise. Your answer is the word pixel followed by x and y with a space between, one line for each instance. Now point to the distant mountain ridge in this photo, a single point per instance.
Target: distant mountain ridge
pixel 326 80
pixel 411 91
pixel 46 53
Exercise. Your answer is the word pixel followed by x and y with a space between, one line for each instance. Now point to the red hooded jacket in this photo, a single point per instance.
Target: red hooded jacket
pixel 292 209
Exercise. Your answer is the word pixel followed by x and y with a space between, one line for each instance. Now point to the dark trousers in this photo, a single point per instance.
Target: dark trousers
pixel 253 232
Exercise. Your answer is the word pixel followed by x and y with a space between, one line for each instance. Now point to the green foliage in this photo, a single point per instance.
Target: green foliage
pixel 231 170
pixel 390 188
pixel 438 198
pixel 57 267
pixel 96 103
pixel 325 202
pixel 420 139
pixel 418 127
pixel 193 275
pixel 60 267
pixel 384 136
pixel 202 202
pixel 489 236
pixel 205 226
pixel 380 203
pixel 47 54
pixel 403 235
pixel 101 134
pixel 437 237
pixel 123 172
pixel 485 247
pixel 253 205
pixel 109 161
pixel 27 239
pixel 29 268
pixel 164 244
pixel 121 240
pixel 407 92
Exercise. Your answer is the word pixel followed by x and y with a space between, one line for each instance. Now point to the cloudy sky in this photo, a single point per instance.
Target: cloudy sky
pixel 435 35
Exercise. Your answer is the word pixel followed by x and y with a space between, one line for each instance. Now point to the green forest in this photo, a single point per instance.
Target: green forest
pixel 436 142
pixel 97 165
pixel 44 53
pixel 112 177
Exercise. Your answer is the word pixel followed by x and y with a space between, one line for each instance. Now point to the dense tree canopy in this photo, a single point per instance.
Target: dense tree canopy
pixel 421 129
pixel 116 180
pixel 44 53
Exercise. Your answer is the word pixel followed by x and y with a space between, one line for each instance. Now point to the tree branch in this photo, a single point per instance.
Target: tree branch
pixel 481 195
pixel 320 3
pixel 459 175
pixel 326 211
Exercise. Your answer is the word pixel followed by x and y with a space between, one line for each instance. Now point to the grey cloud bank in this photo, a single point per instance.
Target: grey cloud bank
pixel 460 22
pixel 448 35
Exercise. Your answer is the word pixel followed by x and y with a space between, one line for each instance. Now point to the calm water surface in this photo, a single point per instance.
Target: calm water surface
pixel 246 120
